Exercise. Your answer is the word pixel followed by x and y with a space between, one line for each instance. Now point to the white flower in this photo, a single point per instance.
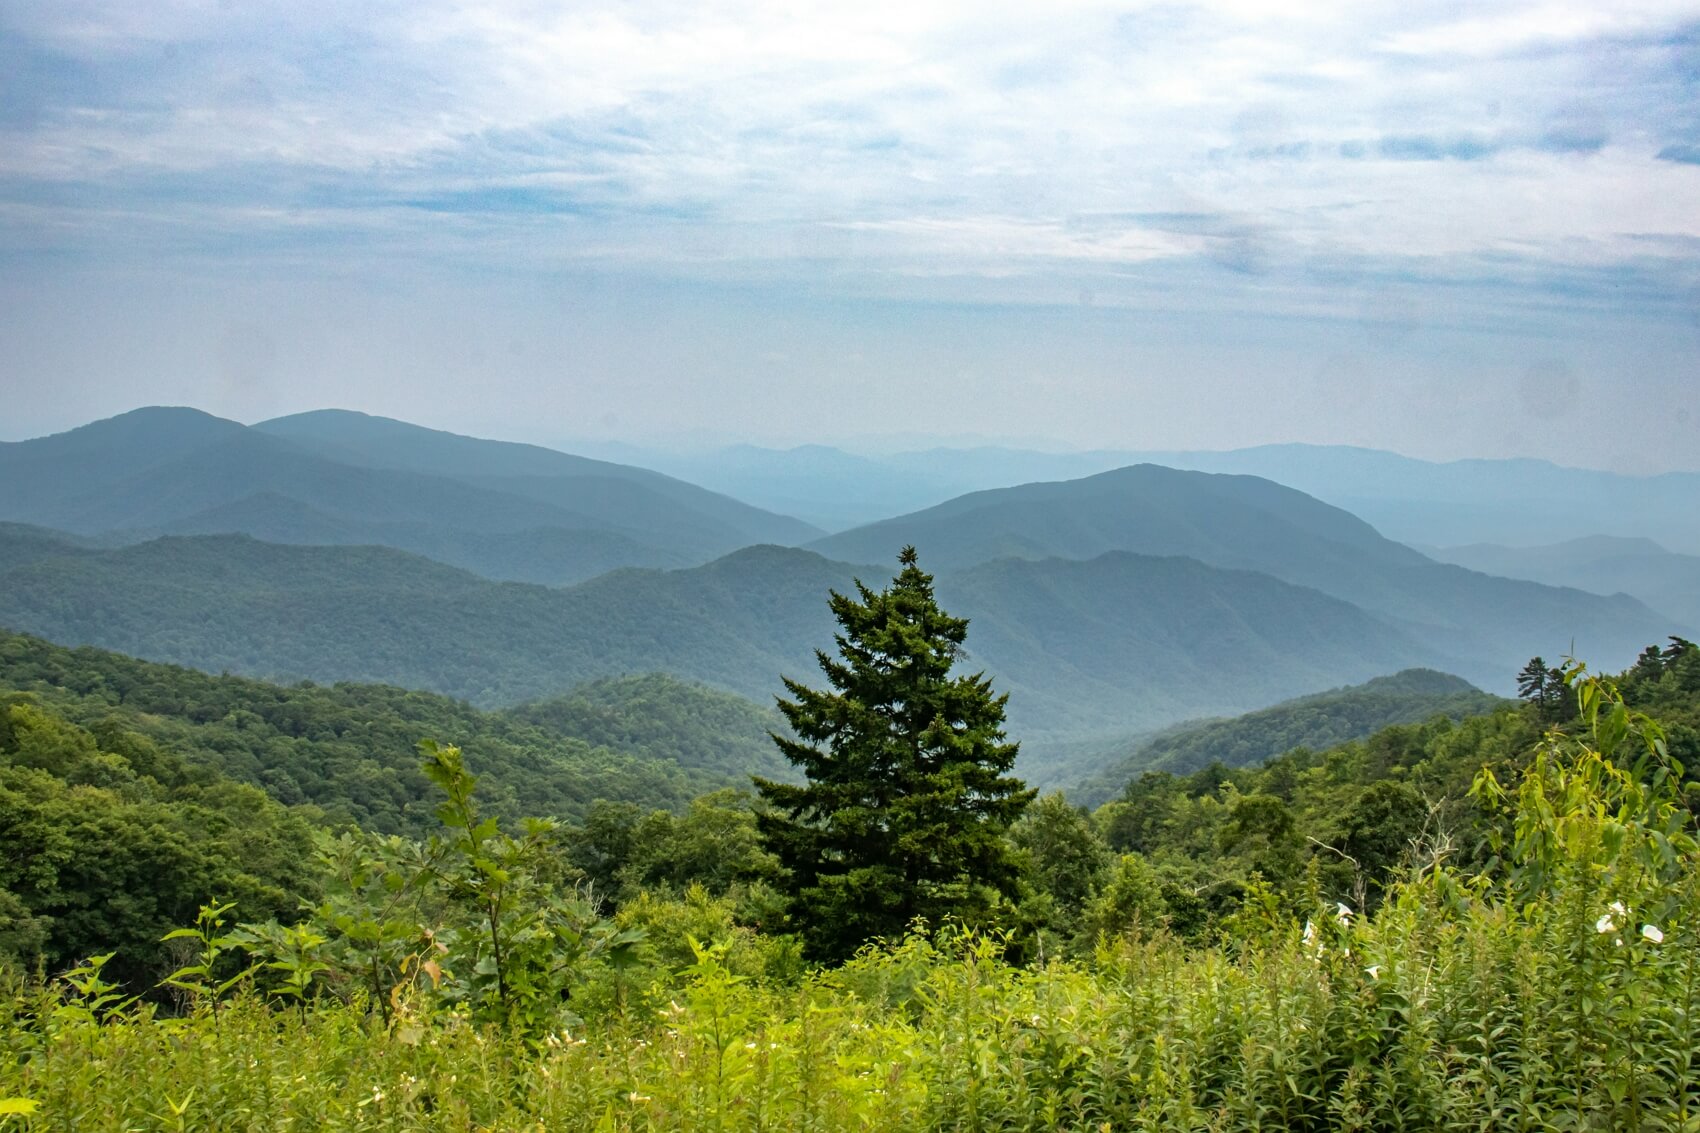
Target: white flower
pixel 1605 924
pixel 1651 932
pixel 1373 971
pixel 1617 907
pixel 1343 913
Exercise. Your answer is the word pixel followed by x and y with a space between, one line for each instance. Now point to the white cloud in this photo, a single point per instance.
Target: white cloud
pixel 937 134
pixel 1516 27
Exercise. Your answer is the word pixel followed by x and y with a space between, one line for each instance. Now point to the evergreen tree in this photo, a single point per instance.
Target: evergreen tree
pixel 1532 681
pixel 1544 688
pixel 907 799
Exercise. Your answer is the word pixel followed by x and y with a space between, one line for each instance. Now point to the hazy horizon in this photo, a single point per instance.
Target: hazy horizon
pixel 705 443
pixel 1201 226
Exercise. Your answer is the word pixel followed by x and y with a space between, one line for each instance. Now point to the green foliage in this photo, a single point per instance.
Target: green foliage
pixel 1322 720
pixel 474 918
pixel 1128 903
pixel 347 749
pixel 111 842
pixel 1348 820
pixel 714 844
pixel 663 717
pixel 202 978
pixel 1553 987
pixel 1064 861
pixel 1543 687
pixel 295 953
pixel 907 798
pixel 514 930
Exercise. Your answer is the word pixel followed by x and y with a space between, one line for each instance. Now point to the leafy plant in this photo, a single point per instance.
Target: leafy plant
pixel 205 984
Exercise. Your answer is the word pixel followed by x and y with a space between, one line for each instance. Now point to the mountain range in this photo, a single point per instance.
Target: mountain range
pixel 1603 564
pixel 508 511
pixel 1482 626
pixel 1117 643
pixel 336 546
pixel 1512 501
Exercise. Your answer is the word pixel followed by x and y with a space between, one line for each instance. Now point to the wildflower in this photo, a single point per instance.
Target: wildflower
pixel 1652 933
pixel 1605 924
pixel 1373 971
pixel 1310 934
pixel 1617 907
pixel 1343 913
pixel 635 1098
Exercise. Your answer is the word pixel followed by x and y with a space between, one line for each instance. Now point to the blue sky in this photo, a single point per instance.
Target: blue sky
pixel 1446 229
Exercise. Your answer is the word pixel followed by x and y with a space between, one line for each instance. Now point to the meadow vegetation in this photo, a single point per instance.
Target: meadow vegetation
pixel 1485 924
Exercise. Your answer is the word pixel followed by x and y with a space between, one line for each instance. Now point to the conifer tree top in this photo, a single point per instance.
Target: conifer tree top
pixel 907 795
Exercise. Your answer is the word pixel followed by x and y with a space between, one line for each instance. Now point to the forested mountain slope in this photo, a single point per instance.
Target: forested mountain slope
pixel 1124 639
pixel 1117 644
pixel 348 749
pixel 1357 812
pixel 113 839
pixel 1488 626
pixel 1315 722
pixel 662 716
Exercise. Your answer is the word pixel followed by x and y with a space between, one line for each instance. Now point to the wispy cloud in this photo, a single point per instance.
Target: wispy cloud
pixel 936 139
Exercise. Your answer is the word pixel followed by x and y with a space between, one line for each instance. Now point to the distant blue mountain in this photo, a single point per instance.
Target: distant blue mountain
pixel 1603 564
pixel 1415 501
pixel 508 511
pixel 1486 626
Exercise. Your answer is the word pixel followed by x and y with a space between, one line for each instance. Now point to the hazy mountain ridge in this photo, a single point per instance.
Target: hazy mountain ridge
pixel 1228 591
pixel 1600 564
pixel 506 510
pixel 606 490
pixel 368 613
pixel 1099 631
pixel 1412 500
pixel 1485 627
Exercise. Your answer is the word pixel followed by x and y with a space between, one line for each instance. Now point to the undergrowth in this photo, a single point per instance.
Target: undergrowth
pixel 1553 990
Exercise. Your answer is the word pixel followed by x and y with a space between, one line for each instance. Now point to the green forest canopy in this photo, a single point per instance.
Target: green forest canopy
pixel 348 749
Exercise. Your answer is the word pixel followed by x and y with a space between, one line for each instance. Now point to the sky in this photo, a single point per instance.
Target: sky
pixel 1450 230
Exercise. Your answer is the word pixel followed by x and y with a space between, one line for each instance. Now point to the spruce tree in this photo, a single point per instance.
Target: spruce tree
pixel 907 798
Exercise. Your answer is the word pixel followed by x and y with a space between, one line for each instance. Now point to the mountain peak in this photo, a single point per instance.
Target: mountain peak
pixel 161 425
